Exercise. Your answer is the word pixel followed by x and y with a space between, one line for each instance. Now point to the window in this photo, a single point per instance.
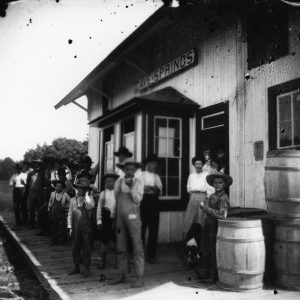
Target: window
pixel 267 32
pixel 108 149
pixel 167 145
pixel 288 120
pixel 128 134
pixel 213 121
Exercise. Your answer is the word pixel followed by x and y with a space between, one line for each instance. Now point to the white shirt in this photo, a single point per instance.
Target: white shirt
pixel 54 174
pixel 18 180
pixel 197 183
pixel 106 199
pixel 151 179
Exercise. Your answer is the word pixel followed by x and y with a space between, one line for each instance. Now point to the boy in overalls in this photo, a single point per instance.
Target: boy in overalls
pixel 129 192
pixel 58 204
pixel 79 225
pixel 215 207
pixel 106 213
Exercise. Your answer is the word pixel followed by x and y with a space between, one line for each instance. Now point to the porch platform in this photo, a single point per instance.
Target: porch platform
pixel 170 278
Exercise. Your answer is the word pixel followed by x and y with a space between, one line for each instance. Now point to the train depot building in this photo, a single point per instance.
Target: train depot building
pixel 208 75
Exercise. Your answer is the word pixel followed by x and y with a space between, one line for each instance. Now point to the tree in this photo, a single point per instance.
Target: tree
pixel 7 168
pixel 69 150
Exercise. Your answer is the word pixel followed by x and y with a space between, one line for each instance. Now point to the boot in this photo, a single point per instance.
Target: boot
pixel 76 270
pixel 138 283
pixel 119 279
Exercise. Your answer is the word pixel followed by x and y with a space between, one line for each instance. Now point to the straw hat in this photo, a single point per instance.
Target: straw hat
pixel 130 161
pixel 83 182
pixel 110 174
pixel 124 151
pixel 227 179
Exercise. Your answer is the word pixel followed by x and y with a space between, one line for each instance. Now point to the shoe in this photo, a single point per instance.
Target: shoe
pixel 138 283
pixel 85 272
pixel 119 279
pixel 76 270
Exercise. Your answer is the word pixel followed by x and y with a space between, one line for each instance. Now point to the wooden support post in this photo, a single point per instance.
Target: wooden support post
pixel 74 102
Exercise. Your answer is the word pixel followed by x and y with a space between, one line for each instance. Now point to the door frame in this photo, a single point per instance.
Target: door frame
pixel 209 110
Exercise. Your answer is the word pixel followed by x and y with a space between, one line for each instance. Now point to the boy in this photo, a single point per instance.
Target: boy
pixel 58 204
pixel 106 212
pixel 129 192
pixel 79 225
pixel 215 207
pixel 150 205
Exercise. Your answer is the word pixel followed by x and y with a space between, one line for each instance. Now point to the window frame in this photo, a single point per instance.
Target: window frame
pixel 273 92
pixel 122 134
pixel 168 197
pixel 211 115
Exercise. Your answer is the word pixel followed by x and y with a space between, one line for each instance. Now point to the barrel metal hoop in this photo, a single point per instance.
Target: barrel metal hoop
pixel 293 169
pixel 241 271
pixel 240 225
pixel 241 240
pixel 287 242
pixel 288 273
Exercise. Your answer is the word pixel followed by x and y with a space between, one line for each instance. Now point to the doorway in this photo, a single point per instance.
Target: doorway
pixel 213 134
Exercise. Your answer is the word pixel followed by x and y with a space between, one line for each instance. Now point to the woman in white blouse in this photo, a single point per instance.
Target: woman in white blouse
pixel 199 189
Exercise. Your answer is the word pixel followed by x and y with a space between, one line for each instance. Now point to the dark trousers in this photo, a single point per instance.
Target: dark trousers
pixel 33 206
pixel 20 205
pixel 81 238
pixel 58 223
pixel 150 220
pixel 43 218
pixel 106 233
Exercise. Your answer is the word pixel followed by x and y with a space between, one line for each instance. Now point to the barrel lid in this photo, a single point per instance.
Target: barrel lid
pixel 240 222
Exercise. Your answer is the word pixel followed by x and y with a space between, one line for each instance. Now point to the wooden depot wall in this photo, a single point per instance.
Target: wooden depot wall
pixel 218 76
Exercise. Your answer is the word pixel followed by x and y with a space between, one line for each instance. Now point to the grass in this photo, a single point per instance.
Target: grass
pixel 6 202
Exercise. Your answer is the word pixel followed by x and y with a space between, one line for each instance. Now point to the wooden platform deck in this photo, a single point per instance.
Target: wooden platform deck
pixel 170 278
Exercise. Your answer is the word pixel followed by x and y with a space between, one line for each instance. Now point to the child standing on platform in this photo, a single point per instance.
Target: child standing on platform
pixel 80 227
pixel 58 205
pixel 129 192
pixel 106 212
pixel 215 207
pixel 150 205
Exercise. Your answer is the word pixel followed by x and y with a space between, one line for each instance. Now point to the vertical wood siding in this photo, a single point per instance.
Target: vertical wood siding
pixel 94 147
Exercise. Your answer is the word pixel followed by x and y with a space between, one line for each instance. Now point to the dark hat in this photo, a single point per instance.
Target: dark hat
pixel 130 161
pixel 85 159
pixel 83 182
pixel 123 150
pixel 228 179
pixel 150 157
pixel 55 182
pixel 110 174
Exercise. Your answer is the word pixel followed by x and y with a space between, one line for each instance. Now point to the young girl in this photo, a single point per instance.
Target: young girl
pixel 106 212
pixel 58 205
pixel 79 225
pixel 129 192
pixel 150 206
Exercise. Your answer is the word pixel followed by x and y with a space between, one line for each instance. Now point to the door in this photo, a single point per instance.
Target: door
pixel 213 134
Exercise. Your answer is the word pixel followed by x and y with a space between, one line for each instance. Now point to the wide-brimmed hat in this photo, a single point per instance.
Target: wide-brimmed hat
pixel 123 150
pixel 227 179
pixel 110 174
pixel 129 161
pixel 83 182
pixel 85 159
pixel 149 158
pixel 54 182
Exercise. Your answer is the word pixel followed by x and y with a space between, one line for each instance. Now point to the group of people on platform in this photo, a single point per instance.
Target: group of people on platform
pixel 66 206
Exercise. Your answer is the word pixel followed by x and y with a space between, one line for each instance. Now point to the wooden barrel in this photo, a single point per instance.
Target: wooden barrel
pixel 282 178
pixel 241 253
pixel 287 254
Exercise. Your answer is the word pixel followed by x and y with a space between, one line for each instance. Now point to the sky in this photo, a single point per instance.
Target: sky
pixel 46 48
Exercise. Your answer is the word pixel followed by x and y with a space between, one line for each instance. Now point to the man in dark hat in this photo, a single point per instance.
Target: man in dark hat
pixel 80 227
pixel 150 205
pixel 123 153
pixel 85 170
pixel 215 207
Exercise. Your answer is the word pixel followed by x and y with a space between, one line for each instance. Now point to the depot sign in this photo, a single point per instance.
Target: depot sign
pixel 173 67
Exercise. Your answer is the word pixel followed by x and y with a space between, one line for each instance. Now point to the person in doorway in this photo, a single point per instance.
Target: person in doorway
pixel 58 204
pixel 215 207
pixel 221 161
pixel 198 189
pixel 79 225
pixel 150 205
pixel 123 153
pixel 86 170
pixel 106 213
pixel 18 182
pixel 209 165
pixel 129 192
